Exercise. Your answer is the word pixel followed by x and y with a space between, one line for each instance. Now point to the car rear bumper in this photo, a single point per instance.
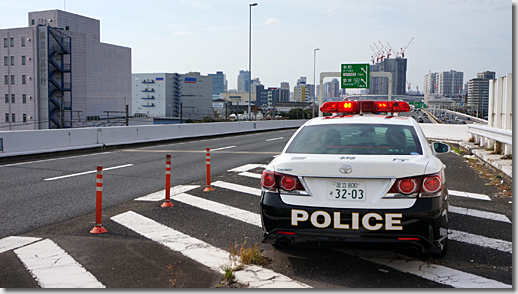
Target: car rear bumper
pixel 423 227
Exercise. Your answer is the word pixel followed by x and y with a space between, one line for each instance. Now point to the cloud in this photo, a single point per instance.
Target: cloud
pixel 272 22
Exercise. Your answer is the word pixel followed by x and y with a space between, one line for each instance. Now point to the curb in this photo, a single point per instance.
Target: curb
pixel 494 160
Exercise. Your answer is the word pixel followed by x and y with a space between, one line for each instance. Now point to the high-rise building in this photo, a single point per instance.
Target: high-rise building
pixel 172 95
pixel 301 93
pixel 57 73
pixel 429 84
pixel 449 83
pixel 332 89
pixel 478 93
pixel 301 81
pixel 396 66
pixel 219 83
pixel 243 81
pixel 284 92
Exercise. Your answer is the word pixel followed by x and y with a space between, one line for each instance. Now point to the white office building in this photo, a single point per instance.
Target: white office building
pixel 58 74
pixel 172 95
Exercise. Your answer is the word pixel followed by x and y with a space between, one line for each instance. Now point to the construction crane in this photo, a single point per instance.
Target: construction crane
pixel 388 51
pixel 374 56
pixel 404 48
pixel 381 54
pixel 391 50
pixel 409 86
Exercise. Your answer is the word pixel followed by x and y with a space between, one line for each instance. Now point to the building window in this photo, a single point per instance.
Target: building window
pixel 23 41
pixel 6 98
pixel 5 42
pixel 13 98
pixel 32 21
pixel 6 80
pixel 13 118
pixel 24 79
pixel 7 117
pixel 12 60
pixel 24 118
pixel 23 60
pixel 6 62
pixel 67 28
pixel 12 79
pixel 24 98
pixel 12 42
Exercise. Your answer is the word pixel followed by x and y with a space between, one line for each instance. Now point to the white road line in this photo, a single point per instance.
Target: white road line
pixel 245 168
pixel 433 272
pixel 160 195
pixel 222 148
pixel 216 207
pixel 88 172
pixel 45 160
pixel 482 241
pixel 52 267
pixel 13 242
pixel 479 214
pixel 239 188
pixel 469 195
pixel 274 139
pixel 251 175
pixel 204 253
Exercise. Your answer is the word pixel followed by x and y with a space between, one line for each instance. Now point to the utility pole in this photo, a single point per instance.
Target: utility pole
pixel 127 115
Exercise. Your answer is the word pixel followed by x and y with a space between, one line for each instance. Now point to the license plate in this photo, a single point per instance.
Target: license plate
pixel 346 190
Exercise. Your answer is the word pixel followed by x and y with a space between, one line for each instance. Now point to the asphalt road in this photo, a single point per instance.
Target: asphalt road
pixel 40 199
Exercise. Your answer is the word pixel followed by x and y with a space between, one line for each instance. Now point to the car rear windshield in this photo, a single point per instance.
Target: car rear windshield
pixel 357 139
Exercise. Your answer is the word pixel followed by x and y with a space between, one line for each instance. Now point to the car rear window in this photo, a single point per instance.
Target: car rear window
pixel 371 139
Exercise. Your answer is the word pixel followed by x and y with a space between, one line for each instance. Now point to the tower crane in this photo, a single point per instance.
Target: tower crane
pixel 388 51
pixel 381 54
pixel 392 50
pixel 404 48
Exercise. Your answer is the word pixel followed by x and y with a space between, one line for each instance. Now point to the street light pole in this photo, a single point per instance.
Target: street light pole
pixel 314 85
pixel 250 62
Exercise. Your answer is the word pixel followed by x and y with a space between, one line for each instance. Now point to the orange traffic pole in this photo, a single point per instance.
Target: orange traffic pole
pixel 207 159
pixel 167 202
pixel 98 229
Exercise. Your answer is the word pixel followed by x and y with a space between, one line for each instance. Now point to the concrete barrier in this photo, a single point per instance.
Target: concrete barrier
pixel 14 143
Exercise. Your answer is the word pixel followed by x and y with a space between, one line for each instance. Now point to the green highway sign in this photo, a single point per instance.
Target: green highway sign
pixel 355 75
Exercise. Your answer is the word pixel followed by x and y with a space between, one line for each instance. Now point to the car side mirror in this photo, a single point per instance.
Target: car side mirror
pixel 441 147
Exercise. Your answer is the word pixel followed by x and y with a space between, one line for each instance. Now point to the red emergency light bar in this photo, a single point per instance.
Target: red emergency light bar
pixel 353 107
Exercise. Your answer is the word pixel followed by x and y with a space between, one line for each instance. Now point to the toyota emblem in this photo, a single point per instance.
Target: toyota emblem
pixel 346 169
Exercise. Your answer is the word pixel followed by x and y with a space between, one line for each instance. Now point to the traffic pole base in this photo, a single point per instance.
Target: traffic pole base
pixel 167 204
pixel 208 189
pixel 98 230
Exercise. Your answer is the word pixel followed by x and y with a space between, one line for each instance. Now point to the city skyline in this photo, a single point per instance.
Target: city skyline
pixel 208 36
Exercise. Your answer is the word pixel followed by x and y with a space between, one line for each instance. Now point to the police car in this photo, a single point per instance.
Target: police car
pixel 358 177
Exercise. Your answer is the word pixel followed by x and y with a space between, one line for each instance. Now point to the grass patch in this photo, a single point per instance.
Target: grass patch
pixel 245 255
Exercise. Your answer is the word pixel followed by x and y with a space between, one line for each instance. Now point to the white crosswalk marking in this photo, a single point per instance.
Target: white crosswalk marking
pixel 52 267
pixel 432 272
pixel 245 167
pixel 239 188
pixel 160 195
pixel 250 175
pixel 13 242
pixel 468 195
pixel 482 241
pixel 202 252
pixel 479 214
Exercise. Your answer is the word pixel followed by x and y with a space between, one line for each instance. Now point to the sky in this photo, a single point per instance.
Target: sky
pixel 206 36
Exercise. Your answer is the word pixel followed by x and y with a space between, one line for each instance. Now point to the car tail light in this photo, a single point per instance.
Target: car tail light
pixel 268 179
pixel 288 183
pixel 432 184
pixel 407 186
pixel 424 186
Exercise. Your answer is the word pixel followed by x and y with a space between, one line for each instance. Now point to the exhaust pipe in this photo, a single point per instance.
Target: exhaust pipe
pixel 283 242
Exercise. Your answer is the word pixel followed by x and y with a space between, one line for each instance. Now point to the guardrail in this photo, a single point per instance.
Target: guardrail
pixel 15 143
pixel 485 136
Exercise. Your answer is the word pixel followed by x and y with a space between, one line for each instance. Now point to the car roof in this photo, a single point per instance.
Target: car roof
pixel 363 119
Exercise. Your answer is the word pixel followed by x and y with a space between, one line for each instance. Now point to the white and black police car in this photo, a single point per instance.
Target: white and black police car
pixel 358 178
